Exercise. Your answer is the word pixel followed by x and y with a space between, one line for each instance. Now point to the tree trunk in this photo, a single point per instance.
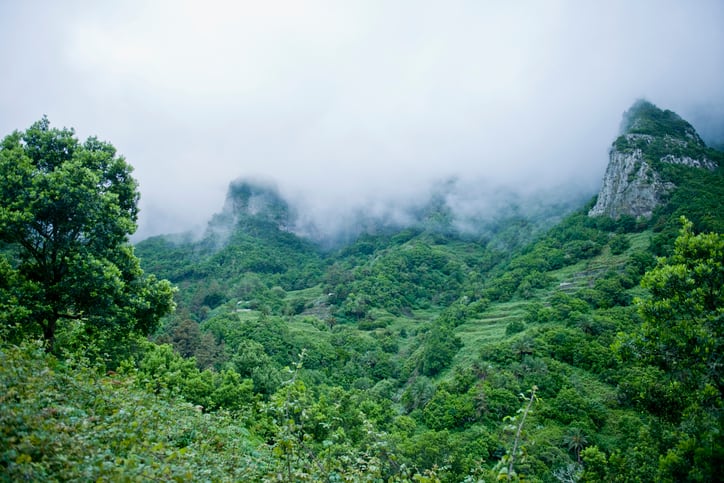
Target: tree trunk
pixel 49 333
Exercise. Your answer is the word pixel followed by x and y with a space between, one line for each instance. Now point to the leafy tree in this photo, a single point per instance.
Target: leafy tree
pixel 594 461
pixel 66 210
pixel 418 393
pixel 619 244
pixel 680 344
pixel 251 361
pixel 447 411
pixel 189 341
pixel 438 349
pixel 186 338
pixel 682 329
pixel 10 309
pixel 514 327
pixel 163 370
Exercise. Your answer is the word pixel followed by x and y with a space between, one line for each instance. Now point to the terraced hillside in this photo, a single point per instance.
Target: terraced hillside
pixel 406 353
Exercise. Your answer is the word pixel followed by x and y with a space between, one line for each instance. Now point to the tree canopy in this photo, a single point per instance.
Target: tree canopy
pixel 678 351
pixel 66 210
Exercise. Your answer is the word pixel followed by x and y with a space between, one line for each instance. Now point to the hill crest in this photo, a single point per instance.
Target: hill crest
pixel 651 137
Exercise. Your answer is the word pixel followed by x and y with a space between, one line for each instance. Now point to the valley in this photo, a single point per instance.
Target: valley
pixel 576 345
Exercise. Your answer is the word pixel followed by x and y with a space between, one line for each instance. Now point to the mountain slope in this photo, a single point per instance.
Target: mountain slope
pixel 427 336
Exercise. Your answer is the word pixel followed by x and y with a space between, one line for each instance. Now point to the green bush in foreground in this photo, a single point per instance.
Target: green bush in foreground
pixel 63 421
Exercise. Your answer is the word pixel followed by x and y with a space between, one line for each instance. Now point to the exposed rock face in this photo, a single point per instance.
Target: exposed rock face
pixel 687 161
pixel 632 184
pixel 630 187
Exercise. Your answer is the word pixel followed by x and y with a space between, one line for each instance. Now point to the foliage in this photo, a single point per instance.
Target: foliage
pixel 189 341
pixel 575 238
pixel 162 370
pixel 398 356
pixel 66 209
pixel 412 275
pixel 697 197
pixel 64 421
pixel 679 347
pixel 518 451
pixel 619 244
pixel 438 348
pixel 645 118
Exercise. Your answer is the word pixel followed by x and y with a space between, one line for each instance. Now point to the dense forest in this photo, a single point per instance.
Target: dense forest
pixel 587 349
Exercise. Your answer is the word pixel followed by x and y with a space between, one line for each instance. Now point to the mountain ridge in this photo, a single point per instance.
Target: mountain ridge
pixel 409 352
pixel 633 184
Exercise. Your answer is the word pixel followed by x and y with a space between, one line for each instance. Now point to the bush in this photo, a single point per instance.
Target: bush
pixel 438 349
pixel 514 327
pixel 619 244
pixel 448 411
pixel 67 422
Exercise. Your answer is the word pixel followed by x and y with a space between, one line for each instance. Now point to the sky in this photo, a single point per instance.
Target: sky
pixel 356 105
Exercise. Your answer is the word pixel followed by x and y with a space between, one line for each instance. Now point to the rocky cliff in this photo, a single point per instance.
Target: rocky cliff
pixel 650 138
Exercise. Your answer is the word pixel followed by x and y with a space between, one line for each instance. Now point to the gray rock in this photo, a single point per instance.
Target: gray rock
pixel 630 187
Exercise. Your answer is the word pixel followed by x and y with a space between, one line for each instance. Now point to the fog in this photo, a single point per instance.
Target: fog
pixel 357 105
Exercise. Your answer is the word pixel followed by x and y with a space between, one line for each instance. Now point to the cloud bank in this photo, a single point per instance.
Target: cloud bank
pixel 356 105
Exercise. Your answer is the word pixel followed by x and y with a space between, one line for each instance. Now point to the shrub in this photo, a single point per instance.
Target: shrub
pixel 514 327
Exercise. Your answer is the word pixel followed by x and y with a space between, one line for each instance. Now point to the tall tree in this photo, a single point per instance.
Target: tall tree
pixel 66 210
pixel 680 345
pixel 683 331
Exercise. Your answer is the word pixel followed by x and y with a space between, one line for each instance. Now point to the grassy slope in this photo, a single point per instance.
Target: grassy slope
pixel 489 327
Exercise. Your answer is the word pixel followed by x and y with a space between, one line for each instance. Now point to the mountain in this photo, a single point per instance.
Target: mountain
pixel 433 323
pixel 651 138
pixel 540 345
pixel 252 200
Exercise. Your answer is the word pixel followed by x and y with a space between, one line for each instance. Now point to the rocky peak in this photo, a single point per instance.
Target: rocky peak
pixel 649 138
pixel 250 206
pixel 253 199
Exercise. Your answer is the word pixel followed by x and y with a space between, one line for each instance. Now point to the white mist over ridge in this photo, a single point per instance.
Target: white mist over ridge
pixel 452 206
pixel 472 207
pixel 355 105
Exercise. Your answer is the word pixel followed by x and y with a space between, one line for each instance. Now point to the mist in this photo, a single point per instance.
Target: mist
pixel 358 106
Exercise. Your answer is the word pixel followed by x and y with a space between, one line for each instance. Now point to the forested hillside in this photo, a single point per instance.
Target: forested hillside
pixel 589 350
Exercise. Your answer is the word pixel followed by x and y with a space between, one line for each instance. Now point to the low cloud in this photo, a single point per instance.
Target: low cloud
pixel 353 106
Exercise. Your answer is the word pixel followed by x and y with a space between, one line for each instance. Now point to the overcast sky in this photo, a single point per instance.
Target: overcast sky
pixel 348 102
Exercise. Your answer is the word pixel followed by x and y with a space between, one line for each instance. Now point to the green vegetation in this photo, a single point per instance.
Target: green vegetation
pixel 645 118
pixel 659 133
pixel 697 198
pixel 417 354
pixel 65 420
pixel 675 355
pixel 66 210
